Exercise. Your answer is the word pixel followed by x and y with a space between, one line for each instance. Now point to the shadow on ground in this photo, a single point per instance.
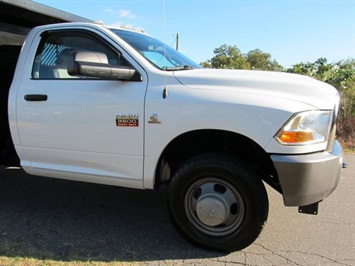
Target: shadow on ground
pixel 54 219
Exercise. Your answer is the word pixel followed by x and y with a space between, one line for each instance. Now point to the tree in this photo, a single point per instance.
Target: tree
pixel 317 70
pixel 206 64
pixel 259 60
pixel 229 57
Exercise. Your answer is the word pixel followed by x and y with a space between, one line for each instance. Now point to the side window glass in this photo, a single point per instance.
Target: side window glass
pixel 55 54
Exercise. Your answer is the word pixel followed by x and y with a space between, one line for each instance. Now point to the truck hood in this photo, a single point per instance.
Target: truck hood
pixel 274 84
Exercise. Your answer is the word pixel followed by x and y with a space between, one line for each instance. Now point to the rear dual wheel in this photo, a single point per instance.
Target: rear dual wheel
pixel 218 202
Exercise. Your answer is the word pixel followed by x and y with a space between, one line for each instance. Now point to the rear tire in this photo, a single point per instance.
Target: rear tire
pixel 218 202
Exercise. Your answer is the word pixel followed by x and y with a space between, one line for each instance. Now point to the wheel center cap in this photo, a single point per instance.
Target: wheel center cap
pixel 211 211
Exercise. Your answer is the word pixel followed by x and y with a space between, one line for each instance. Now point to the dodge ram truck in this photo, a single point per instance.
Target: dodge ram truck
pixel 91 103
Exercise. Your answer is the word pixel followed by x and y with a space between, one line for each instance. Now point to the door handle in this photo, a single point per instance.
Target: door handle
pixel 36 97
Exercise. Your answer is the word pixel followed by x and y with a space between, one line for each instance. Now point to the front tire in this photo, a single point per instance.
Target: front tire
pixel 218 202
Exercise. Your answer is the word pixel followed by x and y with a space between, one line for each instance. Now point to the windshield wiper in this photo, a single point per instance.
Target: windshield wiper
pixel 175 68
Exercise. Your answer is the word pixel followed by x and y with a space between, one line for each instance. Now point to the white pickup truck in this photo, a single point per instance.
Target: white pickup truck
pixel 111 106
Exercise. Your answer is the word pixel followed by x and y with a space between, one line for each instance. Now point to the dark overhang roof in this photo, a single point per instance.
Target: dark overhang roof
pixel 19 16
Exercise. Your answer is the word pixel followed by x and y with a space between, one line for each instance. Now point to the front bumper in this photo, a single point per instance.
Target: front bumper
pixel 306 179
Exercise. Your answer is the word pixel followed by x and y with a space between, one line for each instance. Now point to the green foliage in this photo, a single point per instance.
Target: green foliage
pixel 230 57
pixel 206 64
pixel 342 76
pixel 259 60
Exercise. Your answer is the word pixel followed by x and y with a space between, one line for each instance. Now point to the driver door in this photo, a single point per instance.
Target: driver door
pixel 78 127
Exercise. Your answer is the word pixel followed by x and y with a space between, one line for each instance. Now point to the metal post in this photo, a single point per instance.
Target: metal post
pixel 177 41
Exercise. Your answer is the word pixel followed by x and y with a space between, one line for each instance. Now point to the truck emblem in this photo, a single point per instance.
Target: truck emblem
pixel 154 119
pixel 127 120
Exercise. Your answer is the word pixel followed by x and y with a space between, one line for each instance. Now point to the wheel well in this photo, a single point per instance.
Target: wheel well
pixel 194 143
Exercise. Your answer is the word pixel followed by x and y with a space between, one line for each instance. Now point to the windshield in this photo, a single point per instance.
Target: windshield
pixel 153 50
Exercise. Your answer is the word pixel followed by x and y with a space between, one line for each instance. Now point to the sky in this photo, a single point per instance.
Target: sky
pixel 292 31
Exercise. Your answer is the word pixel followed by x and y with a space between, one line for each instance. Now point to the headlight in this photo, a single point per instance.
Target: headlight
pixel 305 128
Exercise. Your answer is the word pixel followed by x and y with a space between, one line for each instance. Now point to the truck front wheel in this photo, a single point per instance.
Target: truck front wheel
pixel 218 202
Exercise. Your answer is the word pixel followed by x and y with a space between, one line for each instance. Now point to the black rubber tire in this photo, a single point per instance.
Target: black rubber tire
pixel 237 177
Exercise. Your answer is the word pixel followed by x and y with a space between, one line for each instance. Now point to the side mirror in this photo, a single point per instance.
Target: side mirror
pixel 95 64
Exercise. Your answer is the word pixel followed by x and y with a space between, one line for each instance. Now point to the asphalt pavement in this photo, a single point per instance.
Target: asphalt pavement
pixel 62 220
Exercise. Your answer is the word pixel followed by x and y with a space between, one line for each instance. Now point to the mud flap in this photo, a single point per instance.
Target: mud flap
pixel 309 209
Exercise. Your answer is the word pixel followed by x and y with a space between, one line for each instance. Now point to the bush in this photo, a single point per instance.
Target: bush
pixel 342 76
